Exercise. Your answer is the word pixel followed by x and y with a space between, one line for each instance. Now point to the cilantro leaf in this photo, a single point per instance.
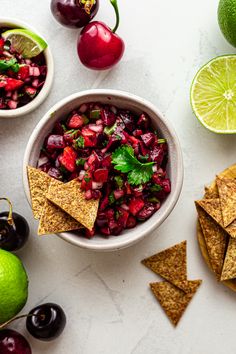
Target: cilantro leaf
pixel 9 64
pixel 79 143
pixel 124 160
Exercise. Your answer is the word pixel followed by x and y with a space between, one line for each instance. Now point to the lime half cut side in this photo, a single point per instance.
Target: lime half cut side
pixel 25 42
pixel 213 95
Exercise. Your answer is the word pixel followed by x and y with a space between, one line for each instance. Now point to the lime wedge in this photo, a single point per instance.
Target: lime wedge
pixel 213 95
pixel 25 42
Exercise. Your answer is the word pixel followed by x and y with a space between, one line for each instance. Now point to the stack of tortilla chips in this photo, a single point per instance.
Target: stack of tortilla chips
pixel 217 218
pixel 58 206
pixel 175 293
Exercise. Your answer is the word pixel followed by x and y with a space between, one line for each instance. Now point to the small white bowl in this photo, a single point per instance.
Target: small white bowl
pixel 133 103
pixel 29 107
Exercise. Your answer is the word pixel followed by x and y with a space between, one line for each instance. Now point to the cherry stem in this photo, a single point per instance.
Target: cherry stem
pixel 18 318
pixel 115 5
pixel 10 217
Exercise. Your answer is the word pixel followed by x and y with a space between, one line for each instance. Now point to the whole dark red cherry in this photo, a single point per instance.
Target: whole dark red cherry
pixel 99 47
pixel 14 229
pixel 74 13
pixel 46 322
pixel 12 342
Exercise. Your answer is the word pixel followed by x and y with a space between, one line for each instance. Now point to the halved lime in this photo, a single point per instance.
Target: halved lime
pixel 25 42
pixel 213 95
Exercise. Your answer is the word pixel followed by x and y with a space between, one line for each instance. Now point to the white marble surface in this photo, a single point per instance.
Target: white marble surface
pixel 106 297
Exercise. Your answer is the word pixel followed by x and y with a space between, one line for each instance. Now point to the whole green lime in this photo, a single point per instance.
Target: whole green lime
pixel 227 20
pixel 13 286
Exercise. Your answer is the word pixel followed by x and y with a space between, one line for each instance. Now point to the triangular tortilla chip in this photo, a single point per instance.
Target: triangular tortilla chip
pixel 53 219
pixel 216 240
pixel 170 264
pixel 211 192
pixel 71 199
pixel 38 183
pixel 229 268
pixel 173 300
pixel 227 192
pixel 213 208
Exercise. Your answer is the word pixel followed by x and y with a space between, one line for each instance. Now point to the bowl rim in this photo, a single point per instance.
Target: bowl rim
pixel 120 244
pixel 29 107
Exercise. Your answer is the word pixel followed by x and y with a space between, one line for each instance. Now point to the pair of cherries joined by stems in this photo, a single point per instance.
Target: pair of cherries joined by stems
pixel 45 322
pixel 98 47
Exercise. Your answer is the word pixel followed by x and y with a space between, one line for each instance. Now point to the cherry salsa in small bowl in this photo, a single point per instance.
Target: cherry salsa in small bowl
pixel 119 159
pixel 21 79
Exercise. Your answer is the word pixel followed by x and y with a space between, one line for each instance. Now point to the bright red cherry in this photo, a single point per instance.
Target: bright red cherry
pixel 99 47
pixel 74 13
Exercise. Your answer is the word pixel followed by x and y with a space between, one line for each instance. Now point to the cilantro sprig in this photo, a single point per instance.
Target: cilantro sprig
pixel 9 64
pixel 124 160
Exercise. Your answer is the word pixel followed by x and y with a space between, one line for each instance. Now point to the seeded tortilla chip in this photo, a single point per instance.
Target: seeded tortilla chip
pixel 53 219
pixel 227 192
pixel 170 264
pixel 229 268
pixel 38 183
pixel 173 300
pixel 71 199
pixel 216 240
pixel 213 208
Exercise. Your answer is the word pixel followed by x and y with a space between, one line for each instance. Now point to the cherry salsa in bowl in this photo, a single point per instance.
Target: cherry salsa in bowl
pixel 21 79
pixel 118 157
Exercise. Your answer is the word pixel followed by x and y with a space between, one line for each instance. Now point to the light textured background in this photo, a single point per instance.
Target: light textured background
pixel 106 297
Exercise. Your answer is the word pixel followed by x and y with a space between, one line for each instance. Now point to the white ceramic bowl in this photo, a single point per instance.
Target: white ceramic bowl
pixel 122 100
pixel 13 113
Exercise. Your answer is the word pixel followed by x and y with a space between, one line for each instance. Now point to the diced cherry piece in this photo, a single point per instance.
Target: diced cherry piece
pixel 31 91
pixel 108 117
pixel 148 139
pixel 101 175
pixel 13 84
pixel 166 185
pixel 106 162
pixel 90 233
pixel 157 154
pixel 23 72
pixel 118 193
pixel 123 217
pixel 104 203
pixel 43 70
pixel 73 175
pixel 131 222
pixel 105 231
pixel 144 122
pixel 115 228
pixel 55 173
pixel 77 121
pixel 90 141
pixel 143 149
pixel 137 191
pixel 128 120
pixel 68 159
pixel 147 211
pixel 110 213
pixel 55 142
pixel 102 220
pixel 135 205
pixel 156 178
pixel 137 132
pixel 96 194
